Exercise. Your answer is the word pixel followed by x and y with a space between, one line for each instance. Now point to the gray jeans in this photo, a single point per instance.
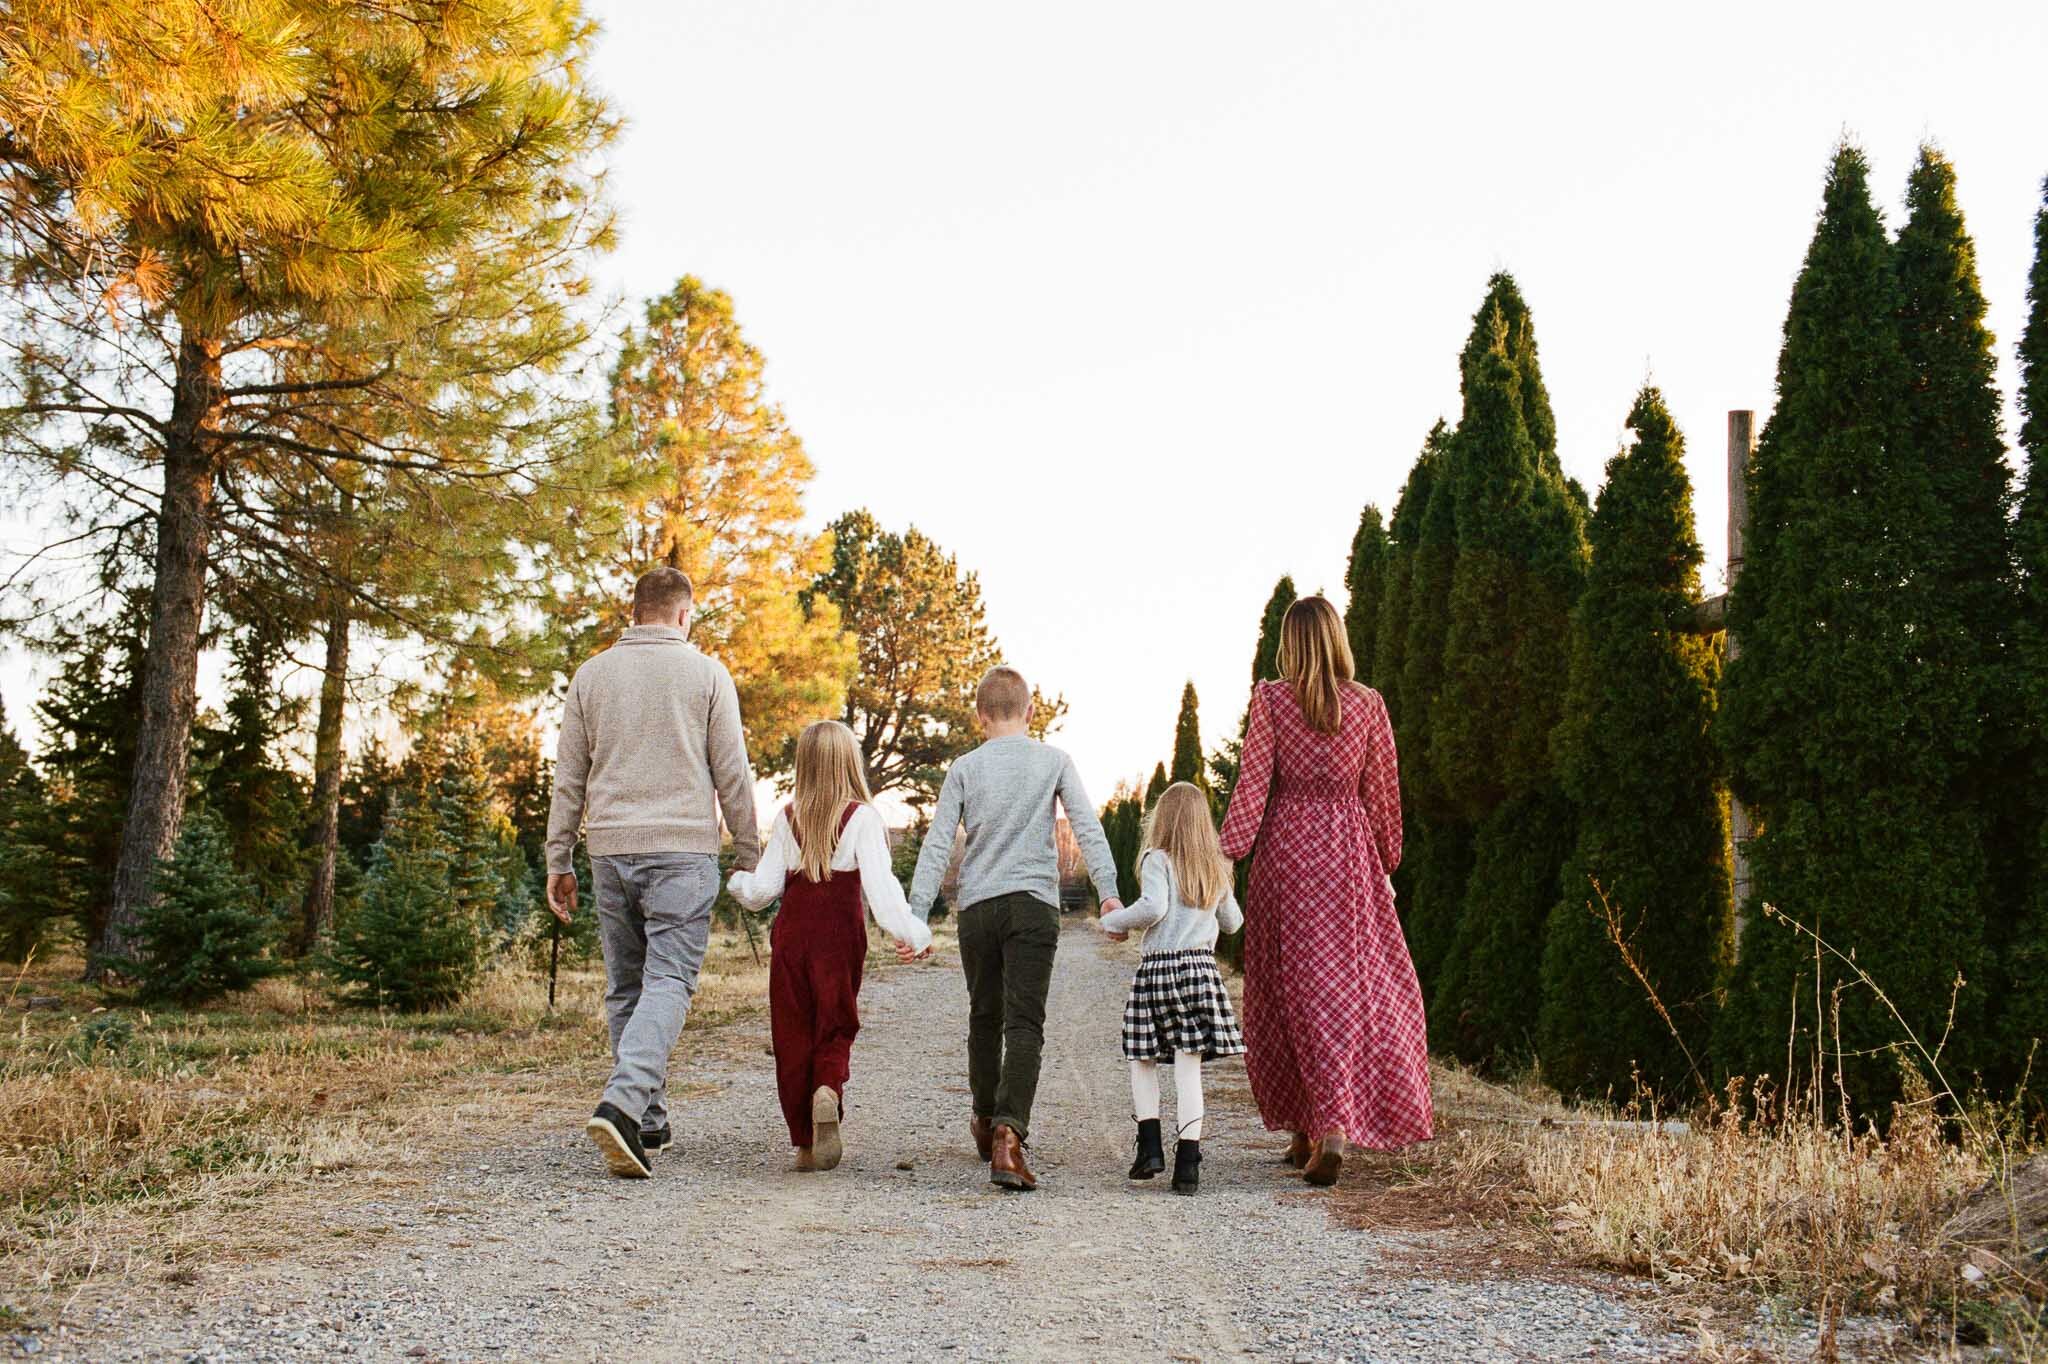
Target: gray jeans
pixel 654 921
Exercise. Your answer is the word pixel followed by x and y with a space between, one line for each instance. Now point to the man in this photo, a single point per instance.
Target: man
pixel 651 752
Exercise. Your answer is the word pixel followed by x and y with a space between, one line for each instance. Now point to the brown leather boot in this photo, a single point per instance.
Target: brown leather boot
pixel 1298 1150
pixel 984 1130
pixel 1006 1167
pixel 1327 1163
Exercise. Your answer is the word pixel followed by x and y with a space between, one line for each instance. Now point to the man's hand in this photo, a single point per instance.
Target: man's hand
pixel 562 894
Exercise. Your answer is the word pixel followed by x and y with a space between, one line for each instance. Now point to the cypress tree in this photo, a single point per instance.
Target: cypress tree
pixel 1158 784
pixel 1517 566
pixel 1365 581
pixel 1390 637
pixel 1187 740
pixel 204 930
pixel 1266 658
pixel 2025 1015
pixel 23 925
pixel 1850 730
pixel 1636 759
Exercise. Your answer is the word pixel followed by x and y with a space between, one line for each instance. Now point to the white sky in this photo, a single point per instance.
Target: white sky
pixel 1134 305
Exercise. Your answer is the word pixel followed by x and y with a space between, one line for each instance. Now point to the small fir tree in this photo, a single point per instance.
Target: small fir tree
pixel 405 944
pixel 205 929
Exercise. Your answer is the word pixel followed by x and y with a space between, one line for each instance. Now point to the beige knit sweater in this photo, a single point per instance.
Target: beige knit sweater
pixel 651 752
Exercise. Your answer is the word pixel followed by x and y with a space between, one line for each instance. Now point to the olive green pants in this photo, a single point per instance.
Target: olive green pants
pixel 1006 948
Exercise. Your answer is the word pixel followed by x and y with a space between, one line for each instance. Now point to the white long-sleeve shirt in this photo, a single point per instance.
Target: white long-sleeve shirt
pixel 1170 923
pixel 863 846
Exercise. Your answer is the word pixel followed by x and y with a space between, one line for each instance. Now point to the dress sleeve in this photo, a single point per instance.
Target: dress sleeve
pixel 762 887
pixel 1155 890
pixel 878 883
pixel 1254 775
pixel 1379 785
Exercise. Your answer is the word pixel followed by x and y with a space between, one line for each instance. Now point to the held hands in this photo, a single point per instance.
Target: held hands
pixel 562 894
pixel 1107 907
pixel 906 953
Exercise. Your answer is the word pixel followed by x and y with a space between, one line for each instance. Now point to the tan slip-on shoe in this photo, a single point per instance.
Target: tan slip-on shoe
pixel 826 1147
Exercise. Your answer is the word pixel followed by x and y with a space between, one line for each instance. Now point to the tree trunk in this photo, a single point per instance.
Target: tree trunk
pixel 170 666
pixel 319 905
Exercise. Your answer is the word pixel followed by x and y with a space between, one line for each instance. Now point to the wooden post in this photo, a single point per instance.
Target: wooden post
pixel 1741 449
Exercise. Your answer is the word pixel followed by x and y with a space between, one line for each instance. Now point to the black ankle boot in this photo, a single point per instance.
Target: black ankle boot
pixel 1151 1154
pixel 1187 1166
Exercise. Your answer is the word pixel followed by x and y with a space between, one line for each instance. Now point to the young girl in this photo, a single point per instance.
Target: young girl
pixel 834 839
pixel 1178 1009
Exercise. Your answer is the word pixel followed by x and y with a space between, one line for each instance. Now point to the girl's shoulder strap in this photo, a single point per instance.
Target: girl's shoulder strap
pixel 789 818
pixel 846 815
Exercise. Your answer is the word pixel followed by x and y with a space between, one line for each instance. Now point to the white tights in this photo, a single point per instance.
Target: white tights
pixel 1187 1092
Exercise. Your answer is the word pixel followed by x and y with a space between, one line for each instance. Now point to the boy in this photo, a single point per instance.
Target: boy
pixel 1009 895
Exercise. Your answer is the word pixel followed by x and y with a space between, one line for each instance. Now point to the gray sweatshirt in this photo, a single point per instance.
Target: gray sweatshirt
pixel 1170 923
pixel 651 752
pixel 1003 792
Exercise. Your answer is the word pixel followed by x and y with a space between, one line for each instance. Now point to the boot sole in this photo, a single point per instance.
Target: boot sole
pixel 1183 1187
pixel 1003 1179
pixel 618 1157
pixel 826 1147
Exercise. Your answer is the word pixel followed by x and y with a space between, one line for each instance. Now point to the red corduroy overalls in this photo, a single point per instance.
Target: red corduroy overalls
pixel 818 948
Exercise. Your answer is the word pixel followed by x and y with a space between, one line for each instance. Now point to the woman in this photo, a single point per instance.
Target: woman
pixel 1333 1020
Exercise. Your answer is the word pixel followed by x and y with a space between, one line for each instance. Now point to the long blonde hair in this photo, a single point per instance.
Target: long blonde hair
pixel 829 777
pixel 1181 828
pixel 1316 657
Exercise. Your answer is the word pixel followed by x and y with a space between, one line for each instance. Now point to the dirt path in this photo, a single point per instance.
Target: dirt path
pixel 528 1251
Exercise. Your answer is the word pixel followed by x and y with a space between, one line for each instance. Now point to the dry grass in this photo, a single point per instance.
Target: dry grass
pixel 1742 1200
pixel 136 1141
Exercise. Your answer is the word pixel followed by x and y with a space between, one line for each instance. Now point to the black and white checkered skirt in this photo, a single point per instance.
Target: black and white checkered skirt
pixel 1178 1003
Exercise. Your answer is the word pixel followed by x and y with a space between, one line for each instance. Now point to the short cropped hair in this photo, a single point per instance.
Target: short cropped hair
pixel 661 594
pixel 1003 694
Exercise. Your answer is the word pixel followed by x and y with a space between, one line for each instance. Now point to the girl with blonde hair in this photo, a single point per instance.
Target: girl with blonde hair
pixel 827 853
pixel 1332 1011
pixel 1178 1009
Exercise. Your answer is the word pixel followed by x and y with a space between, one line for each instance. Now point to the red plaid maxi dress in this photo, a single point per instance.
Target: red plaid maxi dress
pixel 1333 1020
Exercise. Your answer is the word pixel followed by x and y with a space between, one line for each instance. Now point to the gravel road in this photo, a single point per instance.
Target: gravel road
pixel 527 1250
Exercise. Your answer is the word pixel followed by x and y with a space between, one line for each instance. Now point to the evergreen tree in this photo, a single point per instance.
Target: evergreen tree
pixel 1637 761
pixel 1156 786
pixel 1516 569
pixel 323 236
pixel 1852 719
pixel 1187 740
pixel 256 799
pixel 2024 1017
pixel 916 622
pixel 24 924
pixel 1266 657
pixel 1123 827
pixel 405 943
pixel 204 930
pixel 1365 581
pixel 1390 644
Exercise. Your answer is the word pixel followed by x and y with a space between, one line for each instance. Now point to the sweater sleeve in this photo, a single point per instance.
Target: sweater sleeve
pixel 1229 917
pixel 878 884
pixel 1155 897
pixel 1087 831
pixel 1254 776
pixel 763 886
pixel 937 853
pixel 572 772
pixel 733 776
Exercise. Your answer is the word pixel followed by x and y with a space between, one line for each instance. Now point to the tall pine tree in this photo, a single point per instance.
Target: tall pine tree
pixel 23 924
pixel 1365 580
pixel 1518 568
pixel 2024 1017
pixel 1852 715
pixel 1637 760
pixel 1187 740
